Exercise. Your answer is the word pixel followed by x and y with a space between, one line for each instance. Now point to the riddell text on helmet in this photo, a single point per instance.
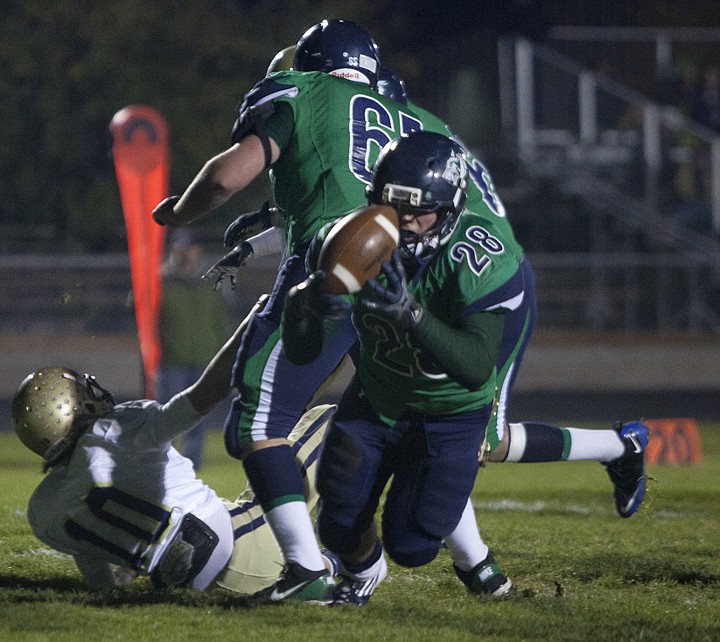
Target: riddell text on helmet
pixel 350 74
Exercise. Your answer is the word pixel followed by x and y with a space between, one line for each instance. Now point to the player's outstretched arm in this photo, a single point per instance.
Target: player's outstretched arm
pixel 250 223
pixel 269 242
pixel 222 176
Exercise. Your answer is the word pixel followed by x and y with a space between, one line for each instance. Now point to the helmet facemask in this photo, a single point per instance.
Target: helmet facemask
pixel 440 187
pixel 420 245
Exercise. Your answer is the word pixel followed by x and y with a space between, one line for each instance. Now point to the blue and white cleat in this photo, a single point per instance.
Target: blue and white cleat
pixel 356 592
pixel 627 472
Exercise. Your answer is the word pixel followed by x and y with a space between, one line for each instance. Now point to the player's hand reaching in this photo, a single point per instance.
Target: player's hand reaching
pixel 306 309
pixel 250 223
pixel 164 208
pixel 228 265
pixel 308 299
pixel 394 301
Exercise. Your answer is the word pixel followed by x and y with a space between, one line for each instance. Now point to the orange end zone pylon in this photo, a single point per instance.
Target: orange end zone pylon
pixel 673 441
pixel 141 157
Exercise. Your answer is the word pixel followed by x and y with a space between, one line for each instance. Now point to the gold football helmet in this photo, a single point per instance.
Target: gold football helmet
pixel 283 60
pixel 53 407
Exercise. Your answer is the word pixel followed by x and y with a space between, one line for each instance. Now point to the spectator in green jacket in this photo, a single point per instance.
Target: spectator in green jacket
pixel 187 346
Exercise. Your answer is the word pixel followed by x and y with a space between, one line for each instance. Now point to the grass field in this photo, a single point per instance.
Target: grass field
pixel 580 572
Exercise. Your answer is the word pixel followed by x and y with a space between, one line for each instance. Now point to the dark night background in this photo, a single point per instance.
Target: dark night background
pixel 66 68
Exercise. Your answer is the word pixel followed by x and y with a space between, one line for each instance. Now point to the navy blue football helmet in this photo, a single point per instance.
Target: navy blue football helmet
pixel 391 86
pixel 341 48
pixel 419 173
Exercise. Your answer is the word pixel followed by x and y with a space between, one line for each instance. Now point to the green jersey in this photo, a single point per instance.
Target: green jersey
pixel 330 131
pixel 470 273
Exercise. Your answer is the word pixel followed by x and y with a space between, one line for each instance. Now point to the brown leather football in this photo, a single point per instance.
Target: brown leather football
pixel 356 247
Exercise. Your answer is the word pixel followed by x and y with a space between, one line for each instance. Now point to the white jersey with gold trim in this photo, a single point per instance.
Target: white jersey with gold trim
pixel 122 497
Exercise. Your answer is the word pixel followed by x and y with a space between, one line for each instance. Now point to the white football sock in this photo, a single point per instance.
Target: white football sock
pixel 465 544
pixel 594 445
pixel 291 525
pixel 584 444
pixel 377 570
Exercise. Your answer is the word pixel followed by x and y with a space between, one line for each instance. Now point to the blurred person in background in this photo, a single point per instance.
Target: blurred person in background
pixel 187 346
pixel 706 107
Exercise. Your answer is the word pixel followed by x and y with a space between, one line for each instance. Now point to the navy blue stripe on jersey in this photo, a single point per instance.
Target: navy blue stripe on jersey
pixel 518 327
pixel 258 106
pixel 509 296
pixel 100 501
pixel 265 90
pixel 252 524
pixel 132 558
pixel 249 527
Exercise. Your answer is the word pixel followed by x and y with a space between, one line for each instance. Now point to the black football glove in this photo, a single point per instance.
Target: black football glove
pixel 250 223
pixel 228 265
pixel 306 309
pixel 309 300
pixel 393 301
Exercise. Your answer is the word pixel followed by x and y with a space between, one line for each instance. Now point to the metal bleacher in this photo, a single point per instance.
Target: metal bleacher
pixel 613 245
pixel 91 294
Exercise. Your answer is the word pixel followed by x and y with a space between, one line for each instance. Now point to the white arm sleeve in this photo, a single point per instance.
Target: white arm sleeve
pixel 270 241
pixel 174 418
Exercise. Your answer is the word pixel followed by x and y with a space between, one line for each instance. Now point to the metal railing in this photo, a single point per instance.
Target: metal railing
pixel 668 43
pixel 89 294
pixel 562 114
pixel 624 291
pixel 623 158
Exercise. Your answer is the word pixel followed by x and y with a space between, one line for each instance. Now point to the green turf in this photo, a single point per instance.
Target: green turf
pixel 580 572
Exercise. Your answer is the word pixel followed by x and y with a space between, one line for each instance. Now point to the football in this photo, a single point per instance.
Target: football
pixel 356 248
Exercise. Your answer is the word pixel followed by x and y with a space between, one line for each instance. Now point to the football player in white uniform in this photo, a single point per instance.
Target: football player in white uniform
pixel 123 502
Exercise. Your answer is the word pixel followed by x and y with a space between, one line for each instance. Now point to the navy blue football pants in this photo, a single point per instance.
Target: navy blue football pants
pixel 433 461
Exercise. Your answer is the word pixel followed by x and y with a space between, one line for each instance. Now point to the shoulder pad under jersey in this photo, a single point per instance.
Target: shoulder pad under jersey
pixel 258 106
